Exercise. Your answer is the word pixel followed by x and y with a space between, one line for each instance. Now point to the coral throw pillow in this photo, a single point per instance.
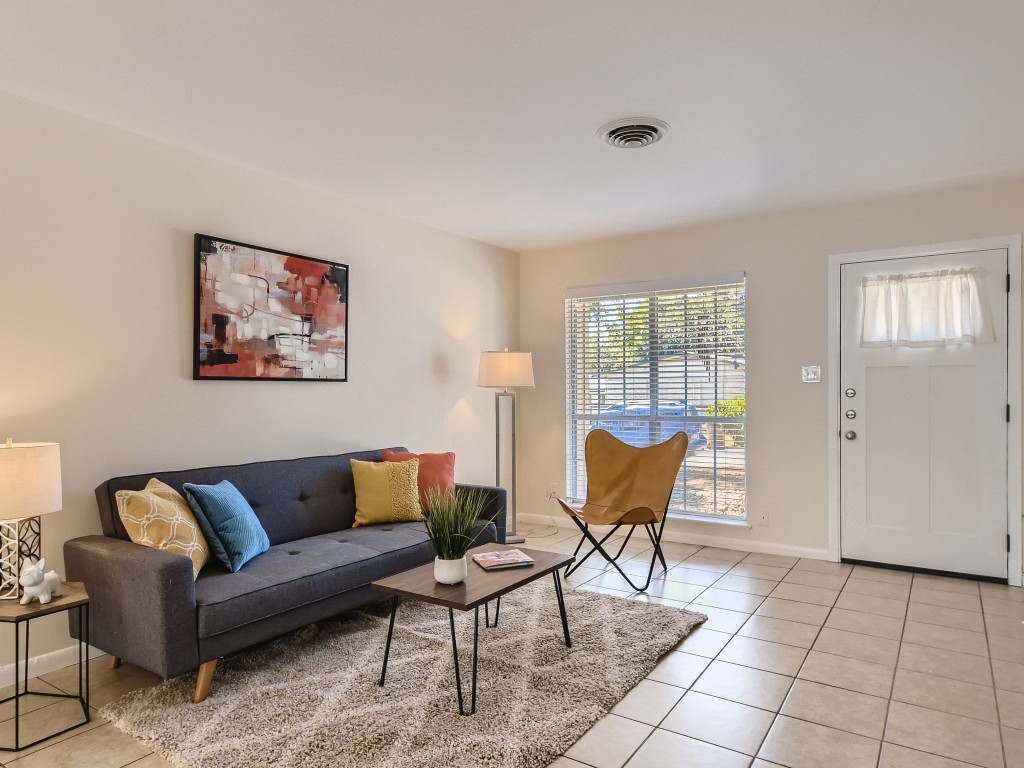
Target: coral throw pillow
pixel 159 517
pixel 386 492
pixel 436 469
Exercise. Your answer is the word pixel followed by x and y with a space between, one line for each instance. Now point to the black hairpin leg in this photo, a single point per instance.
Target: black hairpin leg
pixel 561 608
pixel 387 645
pixel 83 655
pixel 487 613
pixel 455 654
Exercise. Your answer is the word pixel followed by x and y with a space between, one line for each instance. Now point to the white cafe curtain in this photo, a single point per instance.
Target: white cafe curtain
pixel 925 309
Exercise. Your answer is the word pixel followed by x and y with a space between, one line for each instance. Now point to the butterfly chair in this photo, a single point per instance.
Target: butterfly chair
pixel 629 486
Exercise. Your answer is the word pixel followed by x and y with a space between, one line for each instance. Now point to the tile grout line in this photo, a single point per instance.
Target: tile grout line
pixel 797 675
pixel 688 688
pixel 946 757
pixel 734 635
pixel 892 685
pixel 889 699
pixel 995 691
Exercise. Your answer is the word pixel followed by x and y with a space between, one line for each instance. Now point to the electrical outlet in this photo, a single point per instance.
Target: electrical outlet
pixel 763 519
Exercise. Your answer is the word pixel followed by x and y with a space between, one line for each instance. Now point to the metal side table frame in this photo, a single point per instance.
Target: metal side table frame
pixel 11 612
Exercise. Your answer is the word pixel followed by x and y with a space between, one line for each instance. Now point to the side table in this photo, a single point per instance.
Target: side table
pixel 12 612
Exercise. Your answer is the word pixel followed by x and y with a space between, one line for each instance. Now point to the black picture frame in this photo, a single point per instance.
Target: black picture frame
pixel 267 315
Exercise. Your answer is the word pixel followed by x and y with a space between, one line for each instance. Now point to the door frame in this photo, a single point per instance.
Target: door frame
pixel 1012 244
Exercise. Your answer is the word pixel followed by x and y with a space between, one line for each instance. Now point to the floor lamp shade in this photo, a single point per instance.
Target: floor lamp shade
pixel 506 371
pixel 29 487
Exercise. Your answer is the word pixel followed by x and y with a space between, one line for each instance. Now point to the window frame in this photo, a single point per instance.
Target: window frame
pixel 578 417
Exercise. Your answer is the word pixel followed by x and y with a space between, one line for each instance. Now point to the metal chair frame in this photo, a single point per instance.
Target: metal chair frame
pixel 654 533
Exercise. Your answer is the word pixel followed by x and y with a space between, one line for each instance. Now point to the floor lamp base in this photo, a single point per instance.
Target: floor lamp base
pixel 515 539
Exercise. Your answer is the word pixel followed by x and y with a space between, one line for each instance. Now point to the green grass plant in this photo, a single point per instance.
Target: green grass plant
pixel 451 517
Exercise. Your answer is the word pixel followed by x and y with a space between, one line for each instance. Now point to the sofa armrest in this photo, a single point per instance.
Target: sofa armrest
pixel 142 604
pixel 496 505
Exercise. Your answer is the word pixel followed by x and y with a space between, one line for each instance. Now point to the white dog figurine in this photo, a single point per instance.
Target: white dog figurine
pixel 38 584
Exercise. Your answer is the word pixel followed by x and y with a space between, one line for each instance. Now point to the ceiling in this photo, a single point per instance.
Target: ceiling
pixel 480 117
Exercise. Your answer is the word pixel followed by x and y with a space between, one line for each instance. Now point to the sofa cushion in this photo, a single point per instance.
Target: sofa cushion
pixel 437 470
pixel 305 571
pixel 159 517
pixel 386 492
pixel 231 527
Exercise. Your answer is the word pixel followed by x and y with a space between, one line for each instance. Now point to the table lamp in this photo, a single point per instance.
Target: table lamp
pixel 29 487
pixel 507 370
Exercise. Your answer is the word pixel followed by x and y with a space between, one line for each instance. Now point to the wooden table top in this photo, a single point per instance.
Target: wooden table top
pixel 479 587
pixel 11 611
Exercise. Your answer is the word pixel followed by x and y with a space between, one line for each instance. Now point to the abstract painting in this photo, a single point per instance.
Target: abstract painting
pixel 265 314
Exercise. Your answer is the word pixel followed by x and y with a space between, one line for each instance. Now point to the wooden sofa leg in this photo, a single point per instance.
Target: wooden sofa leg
pixel 115 662
pixel 204 680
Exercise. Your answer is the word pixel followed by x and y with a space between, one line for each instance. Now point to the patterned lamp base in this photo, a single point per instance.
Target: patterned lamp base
pixel 19 540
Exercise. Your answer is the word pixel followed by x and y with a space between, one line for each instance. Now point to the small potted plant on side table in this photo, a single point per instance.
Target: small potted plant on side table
pixel 450 518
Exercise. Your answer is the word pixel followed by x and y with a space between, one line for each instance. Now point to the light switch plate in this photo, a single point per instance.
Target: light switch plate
pixel 811 374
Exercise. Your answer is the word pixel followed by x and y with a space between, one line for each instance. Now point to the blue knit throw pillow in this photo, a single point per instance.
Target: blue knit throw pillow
pixel 231 527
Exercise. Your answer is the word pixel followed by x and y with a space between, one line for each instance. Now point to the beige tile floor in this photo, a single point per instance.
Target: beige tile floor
pixel 802 663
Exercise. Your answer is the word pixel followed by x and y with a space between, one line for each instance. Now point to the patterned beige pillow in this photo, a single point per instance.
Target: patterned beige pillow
pixel 386 492
pixel 159 517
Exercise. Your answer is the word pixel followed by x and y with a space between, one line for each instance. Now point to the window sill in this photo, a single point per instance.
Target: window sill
pixel 730 522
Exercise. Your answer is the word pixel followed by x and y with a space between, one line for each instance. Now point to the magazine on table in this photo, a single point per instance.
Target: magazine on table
pixel 502 558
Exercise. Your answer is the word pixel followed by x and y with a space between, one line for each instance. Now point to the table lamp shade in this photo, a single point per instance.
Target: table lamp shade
pixel 505 369
pixel 29 480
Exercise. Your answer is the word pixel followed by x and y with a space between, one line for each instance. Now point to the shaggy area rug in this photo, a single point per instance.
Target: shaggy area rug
pixel 311 699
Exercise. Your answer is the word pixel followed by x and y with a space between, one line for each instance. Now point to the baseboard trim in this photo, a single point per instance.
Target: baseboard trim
pixel 674 534
pixel 45 663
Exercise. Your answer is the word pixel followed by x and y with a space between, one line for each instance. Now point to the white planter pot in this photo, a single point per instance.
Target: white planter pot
pixel 450 571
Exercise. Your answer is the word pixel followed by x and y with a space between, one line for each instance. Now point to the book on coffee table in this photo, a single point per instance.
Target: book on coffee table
pixel 502 558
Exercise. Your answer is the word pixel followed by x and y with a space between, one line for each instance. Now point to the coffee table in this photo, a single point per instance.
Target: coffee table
pixel 479 588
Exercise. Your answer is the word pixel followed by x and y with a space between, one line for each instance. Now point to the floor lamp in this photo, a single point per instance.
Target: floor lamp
pixel 507 370
pixel 29 487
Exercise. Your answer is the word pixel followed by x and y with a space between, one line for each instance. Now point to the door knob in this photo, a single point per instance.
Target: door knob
pixel 850 435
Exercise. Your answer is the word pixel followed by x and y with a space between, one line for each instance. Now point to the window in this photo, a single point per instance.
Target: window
pixel 925 309
pixel 643 363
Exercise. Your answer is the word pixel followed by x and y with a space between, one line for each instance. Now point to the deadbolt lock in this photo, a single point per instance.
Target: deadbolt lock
pixel 851 414
pixel 851 392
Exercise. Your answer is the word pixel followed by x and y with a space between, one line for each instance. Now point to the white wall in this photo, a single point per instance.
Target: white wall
pixel 785 258
pixel 96 287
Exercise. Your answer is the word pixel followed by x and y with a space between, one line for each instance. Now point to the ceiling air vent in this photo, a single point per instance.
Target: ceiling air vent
pixel 633 132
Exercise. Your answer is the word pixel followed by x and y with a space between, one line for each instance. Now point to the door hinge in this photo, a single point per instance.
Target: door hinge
pixel 1007 282
pixel 1007 542
pixel 1007 413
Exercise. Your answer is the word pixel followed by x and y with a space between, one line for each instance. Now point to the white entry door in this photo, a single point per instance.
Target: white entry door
pixel 923 430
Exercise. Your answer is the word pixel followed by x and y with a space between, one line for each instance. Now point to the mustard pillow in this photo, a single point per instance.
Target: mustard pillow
pixel 386 492
pixel 159 517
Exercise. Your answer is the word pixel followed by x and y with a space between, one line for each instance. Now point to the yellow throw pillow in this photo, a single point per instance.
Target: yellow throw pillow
pixel 159 517
pixel 386 492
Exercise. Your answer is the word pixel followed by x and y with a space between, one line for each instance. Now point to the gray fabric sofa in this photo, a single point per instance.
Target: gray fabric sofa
pixel 145 607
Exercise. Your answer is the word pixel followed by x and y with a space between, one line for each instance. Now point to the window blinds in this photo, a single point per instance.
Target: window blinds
pixel 646 364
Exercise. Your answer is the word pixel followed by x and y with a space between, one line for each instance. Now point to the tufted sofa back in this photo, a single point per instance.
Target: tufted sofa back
pixel 293 499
